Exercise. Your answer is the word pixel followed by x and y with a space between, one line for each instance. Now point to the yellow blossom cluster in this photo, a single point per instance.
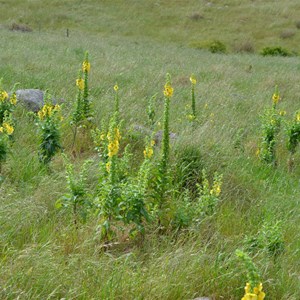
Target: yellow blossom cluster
pixel 3 96
pixel 275 98
pixel 7 128
pixel 116 87
pixel 148 152
pixel 193 80
pixel 168 91
pixel 80 83
pixel 216 189
pixel 86 66
pixel 47 111
pixel 256 294
pixel 113 142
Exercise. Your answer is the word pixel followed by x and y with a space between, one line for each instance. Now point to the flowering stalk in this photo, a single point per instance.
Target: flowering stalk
pixel 271 122
pixel 193 82
pixel 86 104
pixel 253 288
pixel 7 104
pixel 162 178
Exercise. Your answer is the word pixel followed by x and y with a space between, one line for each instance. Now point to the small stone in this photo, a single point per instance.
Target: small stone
pixel 32 99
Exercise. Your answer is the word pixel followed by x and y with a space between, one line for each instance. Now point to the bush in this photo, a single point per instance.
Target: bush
pixel 298 24
pixel 275 51
pixel 215 46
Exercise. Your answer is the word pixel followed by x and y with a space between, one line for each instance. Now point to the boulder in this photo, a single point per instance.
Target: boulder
pixel 32 99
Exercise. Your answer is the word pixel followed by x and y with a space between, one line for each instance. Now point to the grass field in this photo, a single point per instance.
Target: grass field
pixel 134 44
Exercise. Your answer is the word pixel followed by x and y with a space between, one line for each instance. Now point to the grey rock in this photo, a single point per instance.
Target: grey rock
pixel 32 99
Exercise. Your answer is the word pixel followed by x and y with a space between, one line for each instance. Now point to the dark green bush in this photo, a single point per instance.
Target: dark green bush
pixel 275 51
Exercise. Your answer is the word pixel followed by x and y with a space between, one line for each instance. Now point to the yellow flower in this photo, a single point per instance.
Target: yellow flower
pixel 282 113
pixel 80 83
pixel 13 99
pixel 250 296
pixel 1 129
pixel 261 296
pixel 275 98
pixel 8 128
pixel 102 136
pixel 4 95
pixel 116 87
pixel 247 288
pixel 148 152
pixel 113 148
pixel 298 117
pixel 107 166
pixel 193 80
pixel 191 117
pixel 86 66
pixel 168 91
pixel 152 143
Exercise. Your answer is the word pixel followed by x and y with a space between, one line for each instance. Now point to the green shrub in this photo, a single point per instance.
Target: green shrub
pixel 275 51
pixel 214 46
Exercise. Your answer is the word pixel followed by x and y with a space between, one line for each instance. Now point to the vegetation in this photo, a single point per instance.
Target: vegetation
pixel 122 214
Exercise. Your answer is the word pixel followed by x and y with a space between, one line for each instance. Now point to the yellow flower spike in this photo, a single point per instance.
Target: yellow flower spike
pixel 250 296
pixel 168 91
pixel 148 152
pixel 80 83
pixel 116 87
pixel 86 66
pixel 8 128
pixel 1 129
pixel 4 95
pixel 247 288
pixel 275 98
pixel 261 296
pixel 13 99
pixel 193 80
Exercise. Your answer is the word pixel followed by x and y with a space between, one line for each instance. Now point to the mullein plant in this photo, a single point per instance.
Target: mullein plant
pixel 48 121
pixel 83 108
pixel 134 193
pixel 253 288
pixel 78 198
pixel 162 176
pixel 209 196
pixel 192 116
pixel 109 187
pixel 6 131
pixel 293 133
pixel 271 121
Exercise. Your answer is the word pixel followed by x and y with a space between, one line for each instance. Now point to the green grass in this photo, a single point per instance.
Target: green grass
pixel 135 44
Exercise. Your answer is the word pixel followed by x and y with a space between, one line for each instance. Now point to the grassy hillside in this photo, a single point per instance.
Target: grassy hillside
pixel 134 44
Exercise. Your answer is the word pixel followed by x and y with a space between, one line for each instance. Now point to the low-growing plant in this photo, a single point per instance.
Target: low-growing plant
pixel 269 239
pixel 275 51
pixel 48 121
pixel 214 46
pixel 77 199
pixel 253 288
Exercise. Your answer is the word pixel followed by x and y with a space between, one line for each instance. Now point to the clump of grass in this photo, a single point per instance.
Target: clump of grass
pixel 287 34
pixel 244 47
pixel 214 46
